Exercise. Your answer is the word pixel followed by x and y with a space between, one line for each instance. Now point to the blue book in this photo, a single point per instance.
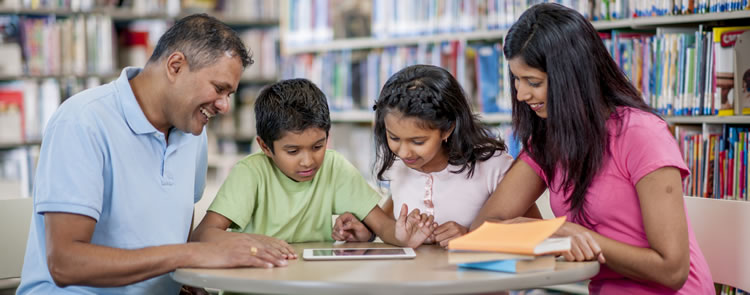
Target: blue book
pixel 541 263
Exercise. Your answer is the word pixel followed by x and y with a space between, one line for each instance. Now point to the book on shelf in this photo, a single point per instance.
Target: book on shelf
pixel 11 113
pixel 353 79
pixel 742 74
pixel 717 157
pixel 724 72
pixel 10 46
pixel 528 238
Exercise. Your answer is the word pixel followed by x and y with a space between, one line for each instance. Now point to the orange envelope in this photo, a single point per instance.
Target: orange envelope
pixel 529 238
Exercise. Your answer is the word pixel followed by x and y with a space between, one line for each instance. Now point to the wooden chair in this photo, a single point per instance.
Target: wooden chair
pixel 722 229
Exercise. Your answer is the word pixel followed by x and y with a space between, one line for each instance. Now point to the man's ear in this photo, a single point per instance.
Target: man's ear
pixel 266 150
pixel 176 64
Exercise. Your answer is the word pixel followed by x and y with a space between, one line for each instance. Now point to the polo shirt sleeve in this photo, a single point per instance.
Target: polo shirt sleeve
pixel 201 166
pixel 237 196
pixel 643 148
pixel 353 193
pixel 71 169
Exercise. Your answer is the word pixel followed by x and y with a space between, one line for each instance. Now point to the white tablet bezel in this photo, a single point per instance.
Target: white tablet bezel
pixel 409 253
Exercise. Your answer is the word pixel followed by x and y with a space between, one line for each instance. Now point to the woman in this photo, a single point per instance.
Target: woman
pixel 611 165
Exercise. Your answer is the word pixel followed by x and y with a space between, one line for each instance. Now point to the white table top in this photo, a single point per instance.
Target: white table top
pixel 428 273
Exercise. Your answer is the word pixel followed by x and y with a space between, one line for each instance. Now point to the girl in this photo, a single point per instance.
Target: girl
pixel 436 154
pixel 611 165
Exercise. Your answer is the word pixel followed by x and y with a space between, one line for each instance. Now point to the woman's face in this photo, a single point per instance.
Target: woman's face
pixel 531 86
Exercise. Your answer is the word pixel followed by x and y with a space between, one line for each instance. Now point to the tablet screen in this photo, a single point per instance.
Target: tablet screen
pixel 350 252
pixel 358 253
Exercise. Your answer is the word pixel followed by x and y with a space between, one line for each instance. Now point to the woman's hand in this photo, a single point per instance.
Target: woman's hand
pixel 448 231
pixel 583 246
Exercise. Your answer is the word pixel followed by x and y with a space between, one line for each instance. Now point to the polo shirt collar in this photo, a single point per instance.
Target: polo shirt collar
pixel 133 113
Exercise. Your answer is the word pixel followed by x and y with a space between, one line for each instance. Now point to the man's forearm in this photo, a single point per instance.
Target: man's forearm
pixel 93 265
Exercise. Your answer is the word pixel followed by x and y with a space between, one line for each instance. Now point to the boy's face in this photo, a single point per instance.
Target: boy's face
pixel 298 154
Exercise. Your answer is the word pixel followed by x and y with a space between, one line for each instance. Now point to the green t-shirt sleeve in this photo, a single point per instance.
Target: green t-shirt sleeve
pixel 353 193
pixel 237 196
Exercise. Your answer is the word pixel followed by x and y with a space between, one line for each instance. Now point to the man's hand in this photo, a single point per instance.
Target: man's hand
pixel 348 228
pixel 243 250
pixel 448 231
pixel 415 228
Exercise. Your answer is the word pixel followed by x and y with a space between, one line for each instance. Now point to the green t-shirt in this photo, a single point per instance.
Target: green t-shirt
pixel 258 198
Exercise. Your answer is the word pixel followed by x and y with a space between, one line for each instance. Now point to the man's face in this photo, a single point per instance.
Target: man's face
pixel 298 154
pixel 202 94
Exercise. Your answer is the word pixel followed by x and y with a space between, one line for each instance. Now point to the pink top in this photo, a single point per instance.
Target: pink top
pixel 446 195
pixel 612 206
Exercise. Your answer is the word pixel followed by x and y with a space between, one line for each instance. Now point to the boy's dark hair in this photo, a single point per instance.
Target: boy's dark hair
pixel 432 95
pixel 202 39
pixel 585 86
pixel 290 105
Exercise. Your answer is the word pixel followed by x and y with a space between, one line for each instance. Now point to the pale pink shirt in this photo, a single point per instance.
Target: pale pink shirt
pixel 453 196
pixel 612 206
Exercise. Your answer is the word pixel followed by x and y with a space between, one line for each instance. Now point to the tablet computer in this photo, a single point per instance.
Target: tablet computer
pixel 358 253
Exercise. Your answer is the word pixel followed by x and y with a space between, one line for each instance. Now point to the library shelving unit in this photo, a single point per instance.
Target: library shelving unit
pixel 256 26
pixel 362 117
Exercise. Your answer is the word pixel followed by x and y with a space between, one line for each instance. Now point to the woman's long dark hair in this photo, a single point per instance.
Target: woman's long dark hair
pixel 432 95
pixel 584 88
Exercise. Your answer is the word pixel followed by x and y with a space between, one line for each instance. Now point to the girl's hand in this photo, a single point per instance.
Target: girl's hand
pixel 348 228
pixel 448 231
pixel 414 229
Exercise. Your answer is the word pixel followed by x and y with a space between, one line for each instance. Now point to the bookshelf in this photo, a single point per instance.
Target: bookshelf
pixel 256 21
pixel 708 119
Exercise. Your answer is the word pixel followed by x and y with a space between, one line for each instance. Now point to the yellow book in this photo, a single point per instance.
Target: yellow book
pixel 529 238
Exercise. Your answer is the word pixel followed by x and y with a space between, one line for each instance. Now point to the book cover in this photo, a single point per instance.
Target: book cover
pixel 542 263
pixel 459 257
pixel 742 74
pixel 724 40
pixel 529 238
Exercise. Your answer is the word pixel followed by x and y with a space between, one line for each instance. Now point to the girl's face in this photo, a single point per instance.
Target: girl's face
pixel 419 148
pixel 531 86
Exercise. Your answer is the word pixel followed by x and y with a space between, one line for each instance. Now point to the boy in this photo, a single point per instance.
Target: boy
pixel 289 192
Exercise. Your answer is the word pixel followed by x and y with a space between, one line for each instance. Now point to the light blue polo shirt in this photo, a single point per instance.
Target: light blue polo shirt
pixel 100 157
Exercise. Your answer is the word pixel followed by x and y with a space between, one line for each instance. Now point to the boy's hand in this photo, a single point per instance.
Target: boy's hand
pixel 448 231
pixel 415 228
pixel 348 228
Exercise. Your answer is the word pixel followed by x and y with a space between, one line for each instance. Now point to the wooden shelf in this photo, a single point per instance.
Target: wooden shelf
pixel 13 145
pixel 123 14
pixel 360 116
pixel 708 119
pixel 495 118
pixel 647 22
pixel 367 43
pixel 59 76
pixel 353 116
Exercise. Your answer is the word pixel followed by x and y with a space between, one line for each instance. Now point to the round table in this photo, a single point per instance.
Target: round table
pixel 428 273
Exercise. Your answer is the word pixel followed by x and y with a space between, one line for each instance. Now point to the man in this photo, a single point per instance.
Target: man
pixel 122 165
